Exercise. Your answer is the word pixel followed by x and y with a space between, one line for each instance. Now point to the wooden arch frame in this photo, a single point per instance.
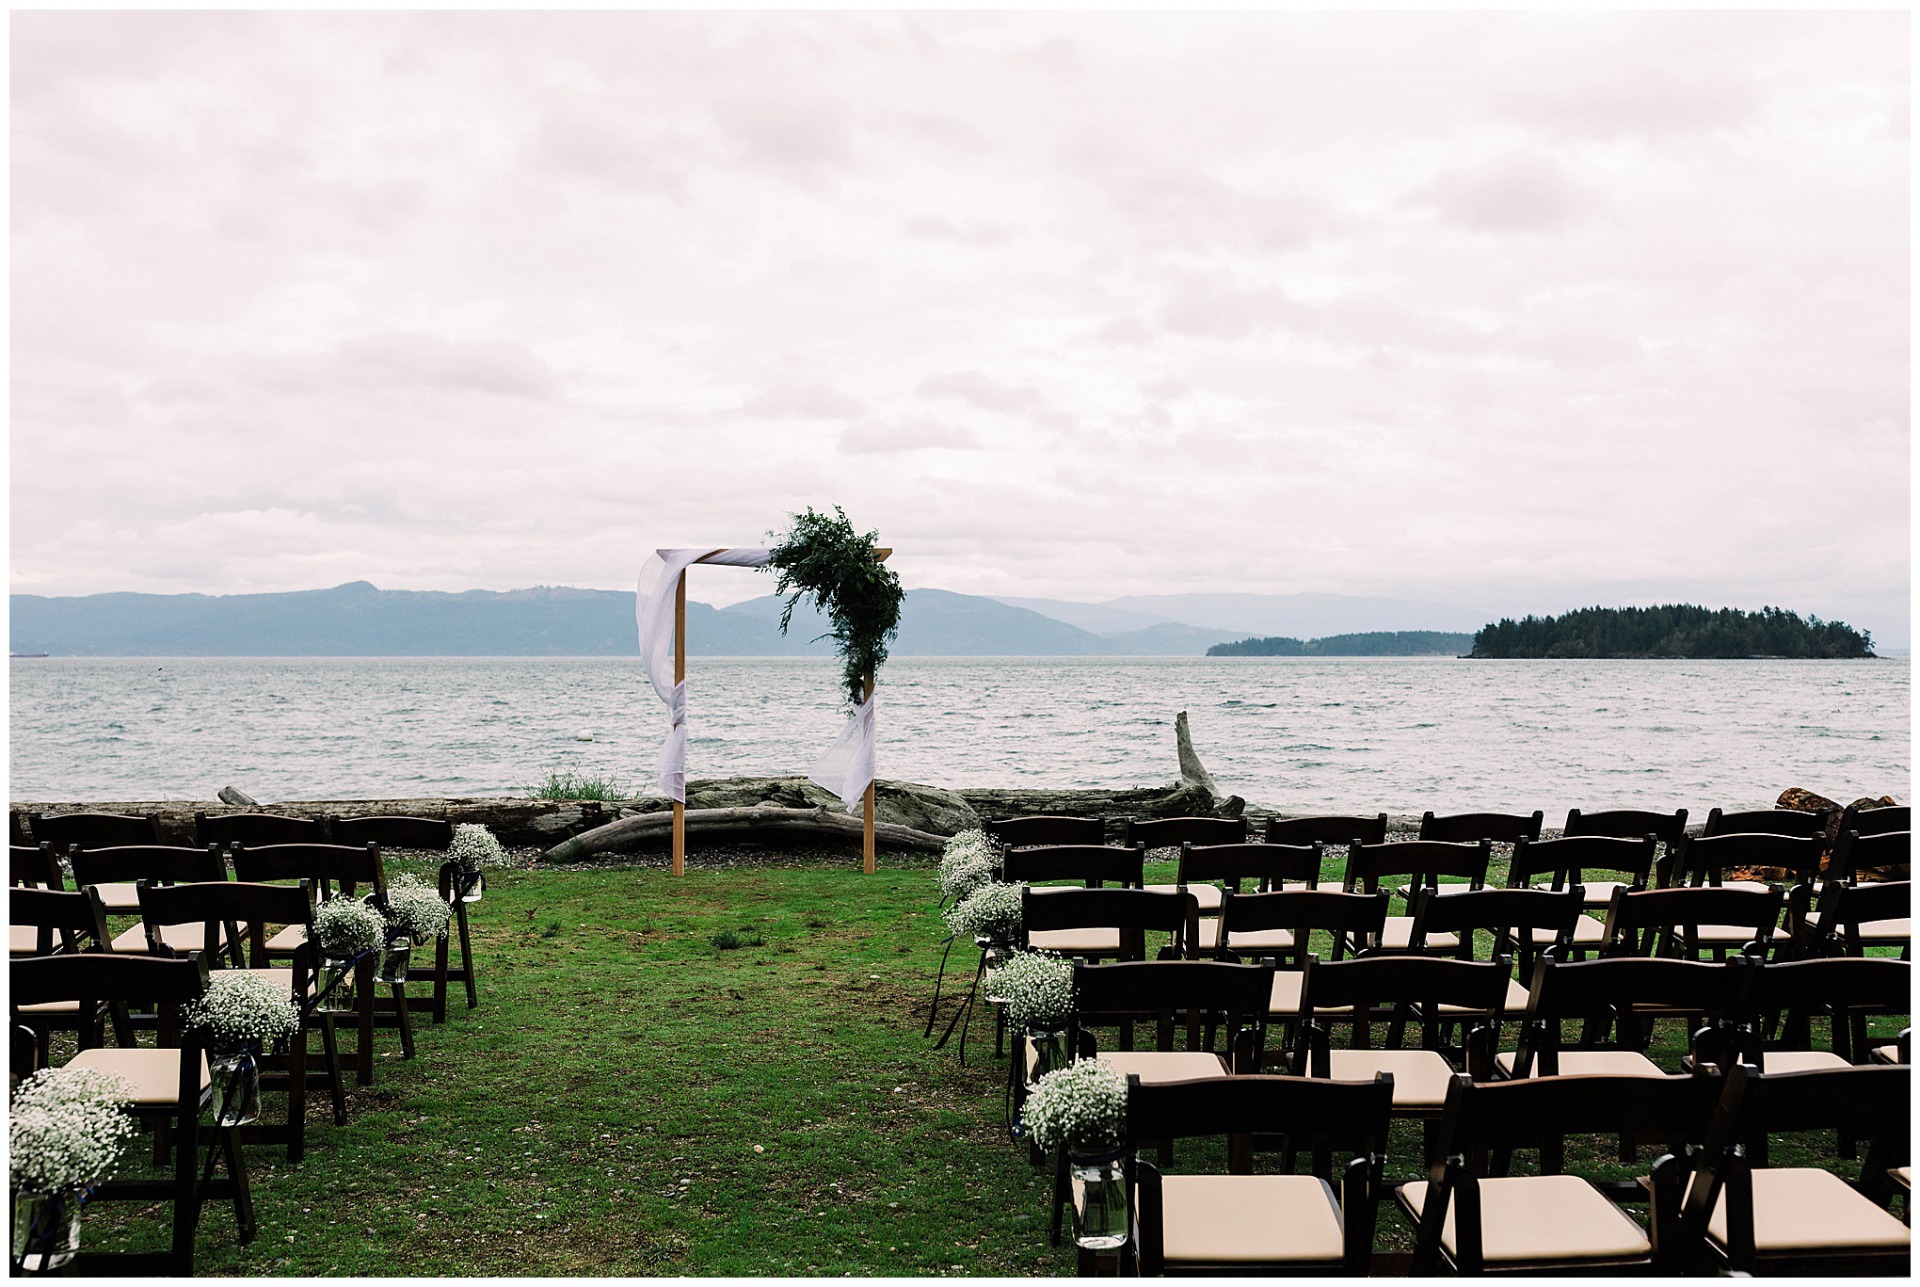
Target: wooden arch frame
pixel 679 677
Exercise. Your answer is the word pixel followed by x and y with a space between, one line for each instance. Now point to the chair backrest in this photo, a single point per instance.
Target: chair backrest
pixel 1613 998
pixel 1500 911
pixel 1456 827
pixel 346 866
pixel 1574 860
pixel 1091 865
pixel 1876 820
pixel 215 904
pixel 1171 833
pixel 95 830
pixel 163 864
pixel 1767 822
pixel 1235 996
pixel 67 922
pixel 1705 860
pixel 1628 824
pixel 257 829
pixel 1132 911
pixel 1854 853
pixel 1328 829
pixel 392 832
pixel 1369 984
pixel 1421 861
pixel 1269 866
pixel 107 976
pixel 1360 918
pixel 1794 991
pixel 1642 922
pixel 1046 829
pixel 34 866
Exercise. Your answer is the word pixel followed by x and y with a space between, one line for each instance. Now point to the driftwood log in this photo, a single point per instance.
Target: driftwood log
pixel 755 819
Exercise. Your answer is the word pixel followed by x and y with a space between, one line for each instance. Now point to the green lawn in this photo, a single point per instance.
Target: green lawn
pixel 630 1098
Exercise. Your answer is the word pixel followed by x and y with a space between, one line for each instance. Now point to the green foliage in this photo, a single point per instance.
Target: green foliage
pixel 826 559
pixel 1376 643
pixel 1673 630
pixel 569 785
pixel 730 940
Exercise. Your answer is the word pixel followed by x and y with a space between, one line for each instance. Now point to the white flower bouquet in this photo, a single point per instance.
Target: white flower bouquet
pixel 969 861
pixel 67 1129
pixel 474 848
pixel 416 909
pixel 1081 1108
pixel 1037 989
pixel 348 927
pixel 991 912
pixel 241 1007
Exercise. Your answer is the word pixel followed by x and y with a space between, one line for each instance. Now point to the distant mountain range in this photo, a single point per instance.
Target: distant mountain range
pixel 358 619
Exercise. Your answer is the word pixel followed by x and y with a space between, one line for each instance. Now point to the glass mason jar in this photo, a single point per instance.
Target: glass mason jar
pixel 473 886
pixel 46 1229
pixel 336 981
pixel 1099 1202
pixel 394 960
pixel 236 1084
pixel 1049 1052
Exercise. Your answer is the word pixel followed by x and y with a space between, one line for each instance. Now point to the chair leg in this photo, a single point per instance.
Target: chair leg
pixel 466 955
pixel 242 1190
pixel 336 1077
pixel 440 950
pixel 363 985
pixel 406 1020
pixel 186 1193
pixel 297 1095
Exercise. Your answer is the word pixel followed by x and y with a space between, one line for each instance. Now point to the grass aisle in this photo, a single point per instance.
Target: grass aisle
pixel 631 1099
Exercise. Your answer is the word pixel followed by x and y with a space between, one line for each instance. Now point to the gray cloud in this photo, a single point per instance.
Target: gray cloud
pixel 1515 193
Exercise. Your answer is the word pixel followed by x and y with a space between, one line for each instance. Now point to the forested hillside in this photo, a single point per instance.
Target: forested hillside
pixel 1672 630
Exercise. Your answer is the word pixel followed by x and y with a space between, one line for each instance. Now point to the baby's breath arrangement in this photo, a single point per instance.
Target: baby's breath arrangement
pixel 1082 1108
pixel 991 911
pixel 416 908
pixel 1037 988
pixel 241 1007
pixel 474 848
pixel 66 1129
pixel 969 861
pixel 348 927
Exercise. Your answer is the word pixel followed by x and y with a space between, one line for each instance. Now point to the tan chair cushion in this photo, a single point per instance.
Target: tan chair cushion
pixel 1542 1219
pixel 1206 933
pixel 1399 932
pixel 1075 942
pixel 1420 1077
pixel 1207 896
pixel 1273 940
pixel 1902 1176
pixel 1592 1063
pixel 1587 932
pixel 119 897
pixel 1285 998
pixel 1886 1054
pixel 1599 892
pixel 1726 935
pixel 181 938
pixel 23 940
pixel 1806 1209
pixel 153 1074
pixel 1896 930
pixel 1515 1004
pixel 1781 1061
pixel 1249 1219
pixel 49 1007
pixel 287 939
pixel 1164 1065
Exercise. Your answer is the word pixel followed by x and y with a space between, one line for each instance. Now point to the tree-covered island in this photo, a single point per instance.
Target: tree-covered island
pixel 1377 643
pixel 1673 630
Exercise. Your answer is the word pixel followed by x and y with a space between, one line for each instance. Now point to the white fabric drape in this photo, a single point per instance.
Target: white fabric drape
pixel 847 766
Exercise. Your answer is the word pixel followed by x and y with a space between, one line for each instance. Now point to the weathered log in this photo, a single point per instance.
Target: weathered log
pixel 1192 771
pixel 818 821
pixel 235 796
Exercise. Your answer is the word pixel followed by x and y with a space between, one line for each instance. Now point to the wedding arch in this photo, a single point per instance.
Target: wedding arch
pixel 846 767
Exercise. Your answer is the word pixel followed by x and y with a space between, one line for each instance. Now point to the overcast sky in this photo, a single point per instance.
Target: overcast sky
pixel 1516 311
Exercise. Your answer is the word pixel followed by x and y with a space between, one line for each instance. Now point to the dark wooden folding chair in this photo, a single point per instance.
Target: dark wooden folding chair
pixel 336 871
pixel 1091 866
pixel 434 835
pixel 257 829
pixel 1606 862
pixel 1518 924
pixel 1268 867
pixel 211 906
pixel 63 924
pixel 1755 1220
pixel 69 831
pixel 1685 921
pixel 1785 997
pixel 1243 1223
pixel 31 867
pixel 1845 915
pixel 1767 822
pixel 1422 863
pixel 1553 1223
pixel 123 867
pixel 1614 1003
pixel 1046 829
pixel 1340 919
pixel 171 1087
pixel 1327 829
pixel 1172 833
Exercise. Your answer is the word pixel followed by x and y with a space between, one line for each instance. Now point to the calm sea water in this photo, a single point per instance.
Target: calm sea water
pixel 1293 733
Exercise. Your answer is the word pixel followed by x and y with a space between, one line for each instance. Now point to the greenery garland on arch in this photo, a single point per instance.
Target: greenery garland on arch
pixel 826 559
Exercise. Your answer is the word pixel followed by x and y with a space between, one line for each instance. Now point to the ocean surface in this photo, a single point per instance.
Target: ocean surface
pixel 1348 734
